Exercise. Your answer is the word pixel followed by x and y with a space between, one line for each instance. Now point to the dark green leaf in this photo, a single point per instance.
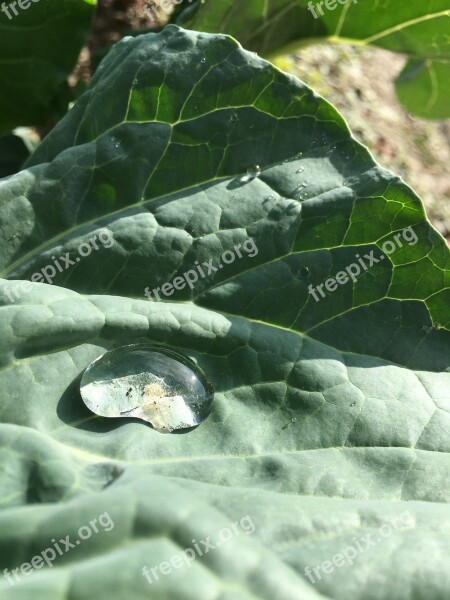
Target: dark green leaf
pixel 39 47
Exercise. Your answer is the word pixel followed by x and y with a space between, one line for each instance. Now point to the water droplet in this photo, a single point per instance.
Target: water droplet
pixel 270 198
pixel 146 382
pixel 300 170
pixel 234 118
pixel 304 273
pixel 203 60
pixel 253 172
pixel 353 404
pixel 115 141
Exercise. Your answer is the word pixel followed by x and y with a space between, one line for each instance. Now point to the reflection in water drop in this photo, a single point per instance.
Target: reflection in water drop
pixel 147 382
pixel 304 273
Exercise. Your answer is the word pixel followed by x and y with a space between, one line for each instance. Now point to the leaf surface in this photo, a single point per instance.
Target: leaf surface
pixel 331 417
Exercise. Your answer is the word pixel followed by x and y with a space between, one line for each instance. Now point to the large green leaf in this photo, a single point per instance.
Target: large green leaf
pixel 38 49
pixel 330 418
pixel 417 29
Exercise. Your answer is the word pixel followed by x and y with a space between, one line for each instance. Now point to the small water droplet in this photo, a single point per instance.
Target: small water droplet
pixel 253 172
pixel 304 273
pixel 300 170
pixel 270 198
pixel 115 141
pixel 203 60
pixel 353 404
pixel 154 384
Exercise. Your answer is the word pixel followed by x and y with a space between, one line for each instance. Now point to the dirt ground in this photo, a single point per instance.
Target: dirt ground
pixel 359 82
